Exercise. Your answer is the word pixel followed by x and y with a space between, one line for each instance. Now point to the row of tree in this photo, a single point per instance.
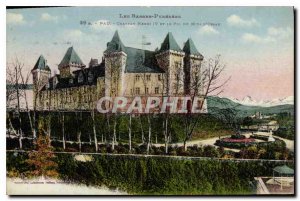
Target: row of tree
pixel 209 81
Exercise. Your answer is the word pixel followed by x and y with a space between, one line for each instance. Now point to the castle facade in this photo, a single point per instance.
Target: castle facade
pixel 124 71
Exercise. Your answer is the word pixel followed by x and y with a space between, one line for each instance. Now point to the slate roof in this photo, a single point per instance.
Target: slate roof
pixel 141 61
pixel 138 60
pixel 115 45
pixel 190 48
pixel 71 57
pixel 41 64
pixel 284 170
pixel 170 44
pixel 95 71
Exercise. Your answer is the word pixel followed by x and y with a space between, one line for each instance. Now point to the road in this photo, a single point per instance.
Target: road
pixel 289 143
pixel 211 141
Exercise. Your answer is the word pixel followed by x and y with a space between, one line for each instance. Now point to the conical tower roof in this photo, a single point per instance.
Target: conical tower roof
pixel 190 48
pixel 71 57
pixel 115 45
pixel 170 44
pixel 41 64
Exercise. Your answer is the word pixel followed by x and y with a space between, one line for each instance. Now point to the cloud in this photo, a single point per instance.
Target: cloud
pixel 280 32
pixel 252 38
pixel 15 18
pixel 47 17
pixel 273 35
pixel 74 33
pixel 235 20
pixel 208 30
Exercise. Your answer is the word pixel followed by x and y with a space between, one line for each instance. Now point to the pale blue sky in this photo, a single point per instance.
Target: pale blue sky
pixel 252 40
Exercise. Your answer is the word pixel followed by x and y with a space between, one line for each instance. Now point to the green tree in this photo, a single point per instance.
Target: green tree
pixel 247 121
pixel 42 160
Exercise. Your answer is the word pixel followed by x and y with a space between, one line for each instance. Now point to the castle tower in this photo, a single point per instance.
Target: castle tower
pixel 115 62
pixel 41 73
pixel 192 67
pixel 170 59
pixel 70 63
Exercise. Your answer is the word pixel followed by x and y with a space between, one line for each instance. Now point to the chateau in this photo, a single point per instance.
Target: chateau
pixel 123 71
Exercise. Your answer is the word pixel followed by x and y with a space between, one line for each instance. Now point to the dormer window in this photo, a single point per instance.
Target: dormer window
pixel 80 77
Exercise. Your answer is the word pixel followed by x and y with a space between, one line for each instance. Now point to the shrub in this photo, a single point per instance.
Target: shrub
pixel 142 149
pixel 70 149
pixel 237 136
pixel 88 148
pixel 172 153
pixel 210 151
pixel 182 152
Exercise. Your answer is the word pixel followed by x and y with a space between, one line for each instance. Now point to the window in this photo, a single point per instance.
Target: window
pixel 148 77
pixel 159 77
pixel 156 90
pixel 147 90
pixel 113 91
pixel 137 77
pixel 177 76
pixel 178 65
pixel 137 90
pixel 80 77
pixel 90 77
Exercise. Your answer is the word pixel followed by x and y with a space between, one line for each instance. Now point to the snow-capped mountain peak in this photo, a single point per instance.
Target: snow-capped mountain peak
pixel 248 100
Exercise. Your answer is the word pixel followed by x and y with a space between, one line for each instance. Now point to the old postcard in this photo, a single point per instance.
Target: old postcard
pixel 150 101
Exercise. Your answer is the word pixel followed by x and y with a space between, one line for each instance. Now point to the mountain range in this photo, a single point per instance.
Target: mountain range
pixel 248 100
pixel 248 106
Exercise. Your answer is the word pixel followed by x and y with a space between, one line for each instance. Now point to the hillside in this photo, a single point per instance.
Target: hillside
pixel 216 103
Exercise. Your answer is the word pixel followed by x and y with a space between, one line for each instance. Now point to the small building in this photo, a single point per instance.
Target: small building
pixel 282 182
